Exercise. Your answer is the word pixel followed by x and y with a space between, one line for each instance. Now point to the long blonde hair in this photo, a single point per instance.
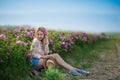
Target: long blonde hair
pixel 44 40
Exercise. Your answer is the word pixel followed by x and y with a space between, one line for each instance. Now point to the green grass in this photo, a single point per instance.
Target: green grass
pixel 86 56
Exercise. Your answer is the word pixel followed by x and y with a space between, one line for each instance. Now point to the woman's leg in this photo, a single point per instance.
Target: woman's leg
pixel 65 65
pixel 61 62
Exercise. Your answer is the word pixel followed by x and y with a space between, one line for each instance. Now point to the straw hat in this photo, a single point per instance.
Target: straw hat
pixel 50 62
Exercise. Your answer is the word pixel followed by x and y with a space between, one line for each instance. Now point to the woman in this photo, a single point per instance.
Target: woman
pixel 40 50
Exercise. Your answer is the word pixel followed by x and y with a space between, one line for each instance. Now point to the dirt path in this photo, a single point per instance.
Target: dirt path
pixel 108 68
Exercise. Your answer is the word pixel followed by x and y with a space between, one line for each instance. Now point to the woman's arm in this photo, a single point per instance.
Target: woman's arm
pixel 34 49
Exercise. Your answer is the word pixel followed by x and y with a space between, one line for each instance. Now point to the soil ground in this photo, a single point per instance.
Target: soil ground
pixel 108 67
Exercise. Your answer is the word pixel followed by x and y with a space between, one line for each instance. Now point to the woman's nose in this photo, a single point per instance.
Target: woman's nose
pixel 39 36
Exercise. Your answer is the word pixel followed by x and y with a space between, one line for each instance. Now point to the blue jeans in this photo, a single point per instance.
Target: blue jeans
pixel 35 62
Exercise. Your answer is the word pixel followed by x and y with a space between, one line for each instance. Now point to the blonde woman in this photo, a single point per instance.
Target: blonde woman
pixel 40 51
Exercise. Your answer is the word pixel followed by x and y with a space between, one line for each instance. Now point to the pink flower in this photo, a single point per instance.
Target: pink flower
pixel 84 36
pixel 45 32
pixel 71 41
pixel 62 38
pixel 29 56
pixel 28 33
pixel 32 35
pixel 18 37
pixel 66 45
pixel 2 36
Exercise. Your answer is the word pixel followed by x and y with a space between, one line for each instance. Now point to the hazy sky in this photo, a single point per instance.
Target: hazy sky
pixel 74 15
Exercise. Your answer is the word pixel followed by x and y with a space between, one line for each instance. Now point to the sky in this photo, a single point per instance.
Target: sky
pixel 71 15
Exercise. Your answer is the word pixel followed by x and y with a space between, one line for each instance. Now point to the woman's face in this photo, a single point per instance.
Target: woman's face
pixel 40 35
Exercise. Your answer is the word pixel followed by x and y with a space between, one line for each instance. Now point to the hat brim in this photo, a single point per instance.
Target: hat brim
pixel 50 62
